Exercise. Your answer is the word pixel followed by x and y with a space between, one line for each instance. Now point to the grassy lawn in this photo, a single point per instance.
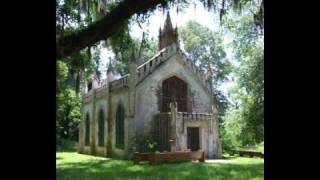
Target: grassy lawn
pixel 74 166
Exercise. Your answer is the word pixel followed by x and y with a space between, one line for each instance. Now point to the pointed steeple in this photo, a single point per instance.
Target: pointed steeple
pixel 168 24
pixel 167 35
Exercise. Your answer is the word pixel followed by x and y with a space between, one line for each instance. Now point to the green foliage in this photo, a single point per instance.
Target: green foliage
pixel 145 143
pixel 206 49
pixel 68 114
pixel 78 166
pixel 233 124
pixel 256 147
pixel 65 145
pixel 149 49
pixel 62 72
pixel 122 45
pixel 66 14
pixel 244 120
pixel 97 61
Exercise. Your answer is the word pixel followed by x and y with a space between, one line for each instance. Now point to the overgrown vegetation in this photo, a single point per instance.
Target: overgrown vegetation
pixel 65 145
pixel 243 123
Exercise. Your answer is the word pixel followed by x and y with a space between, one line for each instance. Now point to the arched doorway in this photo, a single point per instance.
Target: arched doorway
pixel 174 89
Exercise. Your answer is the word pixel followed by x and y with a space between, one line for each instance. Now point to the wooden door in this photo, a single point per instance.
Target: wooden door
pixel 193 138
pixel 174 90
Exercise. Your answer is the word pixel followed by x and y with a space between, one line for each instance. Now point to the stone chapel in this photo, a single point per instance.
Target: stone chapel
pixel 167 98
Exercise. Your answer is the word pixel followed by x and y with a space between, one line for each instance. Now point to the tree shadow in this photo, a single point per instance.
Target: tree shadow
pixel 119 169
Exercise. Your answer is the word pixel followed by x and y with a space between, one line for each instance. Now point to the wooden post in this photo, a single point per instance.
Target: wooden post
pixel 174 112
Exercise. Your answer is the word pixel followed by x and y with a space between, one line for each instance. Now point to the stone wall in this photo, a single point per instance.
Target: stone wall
pixel 148 98
pixel 87 108
pixel 101 103
pixel 120 96
pixel 150 75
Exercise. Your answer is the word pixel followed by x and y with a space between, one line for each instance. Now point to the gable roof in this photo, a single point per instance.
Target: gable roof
pixel 148 67
pixel 145 69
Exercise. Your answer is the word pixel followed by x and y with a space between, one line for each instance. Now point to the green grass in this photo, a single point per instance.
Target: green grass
pixel 71 165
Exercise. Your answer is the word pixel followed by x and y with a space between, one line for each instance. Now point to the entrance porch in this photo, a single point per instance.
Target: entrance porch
pixel 182 131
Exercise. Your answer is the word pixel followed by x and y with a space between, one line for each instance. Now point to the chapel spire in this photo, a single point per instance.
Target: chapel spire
pixel 168 24
pixel 168 35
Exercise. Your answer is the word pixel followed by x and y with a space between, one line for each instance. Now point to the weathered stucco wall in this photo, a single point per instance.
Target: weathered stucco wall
pixel 147 105
pixel 102 103
pixel 148 98
pixel 119 97
pixel 87 108
pixel 206 137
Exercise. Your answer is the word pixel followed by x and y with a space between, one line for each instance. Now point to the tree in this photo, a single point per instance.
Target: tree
pixel 206 50
pixel 119 13
pixel 124 44
pixel 82 24
pixel 68 105
pixel 247 110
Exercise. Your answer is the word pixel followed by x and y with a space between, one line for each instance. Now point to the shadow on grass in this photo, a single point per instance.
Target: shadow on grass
pixel 119 169
pixel 229 157
pixel 66 150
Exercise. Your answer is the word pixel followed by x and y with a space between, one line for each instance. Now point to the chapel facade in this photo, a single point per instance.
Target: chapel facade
pixel 167 98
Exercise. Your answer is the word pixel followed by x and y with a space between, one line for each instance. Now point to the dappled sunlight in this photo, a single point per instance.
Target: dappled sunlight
pixel 78 166
pixel 136 168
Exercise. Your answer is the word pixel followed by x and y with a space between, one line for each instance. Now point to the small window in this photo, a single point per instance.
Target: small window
pixel 150 63
pixel 144 68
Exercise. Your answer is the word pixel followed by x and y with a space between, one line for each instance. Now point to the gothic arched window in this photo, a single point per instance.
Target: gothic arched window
pixel 101 128
pixel 120 114
pixel 174 90
pixel 87 130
